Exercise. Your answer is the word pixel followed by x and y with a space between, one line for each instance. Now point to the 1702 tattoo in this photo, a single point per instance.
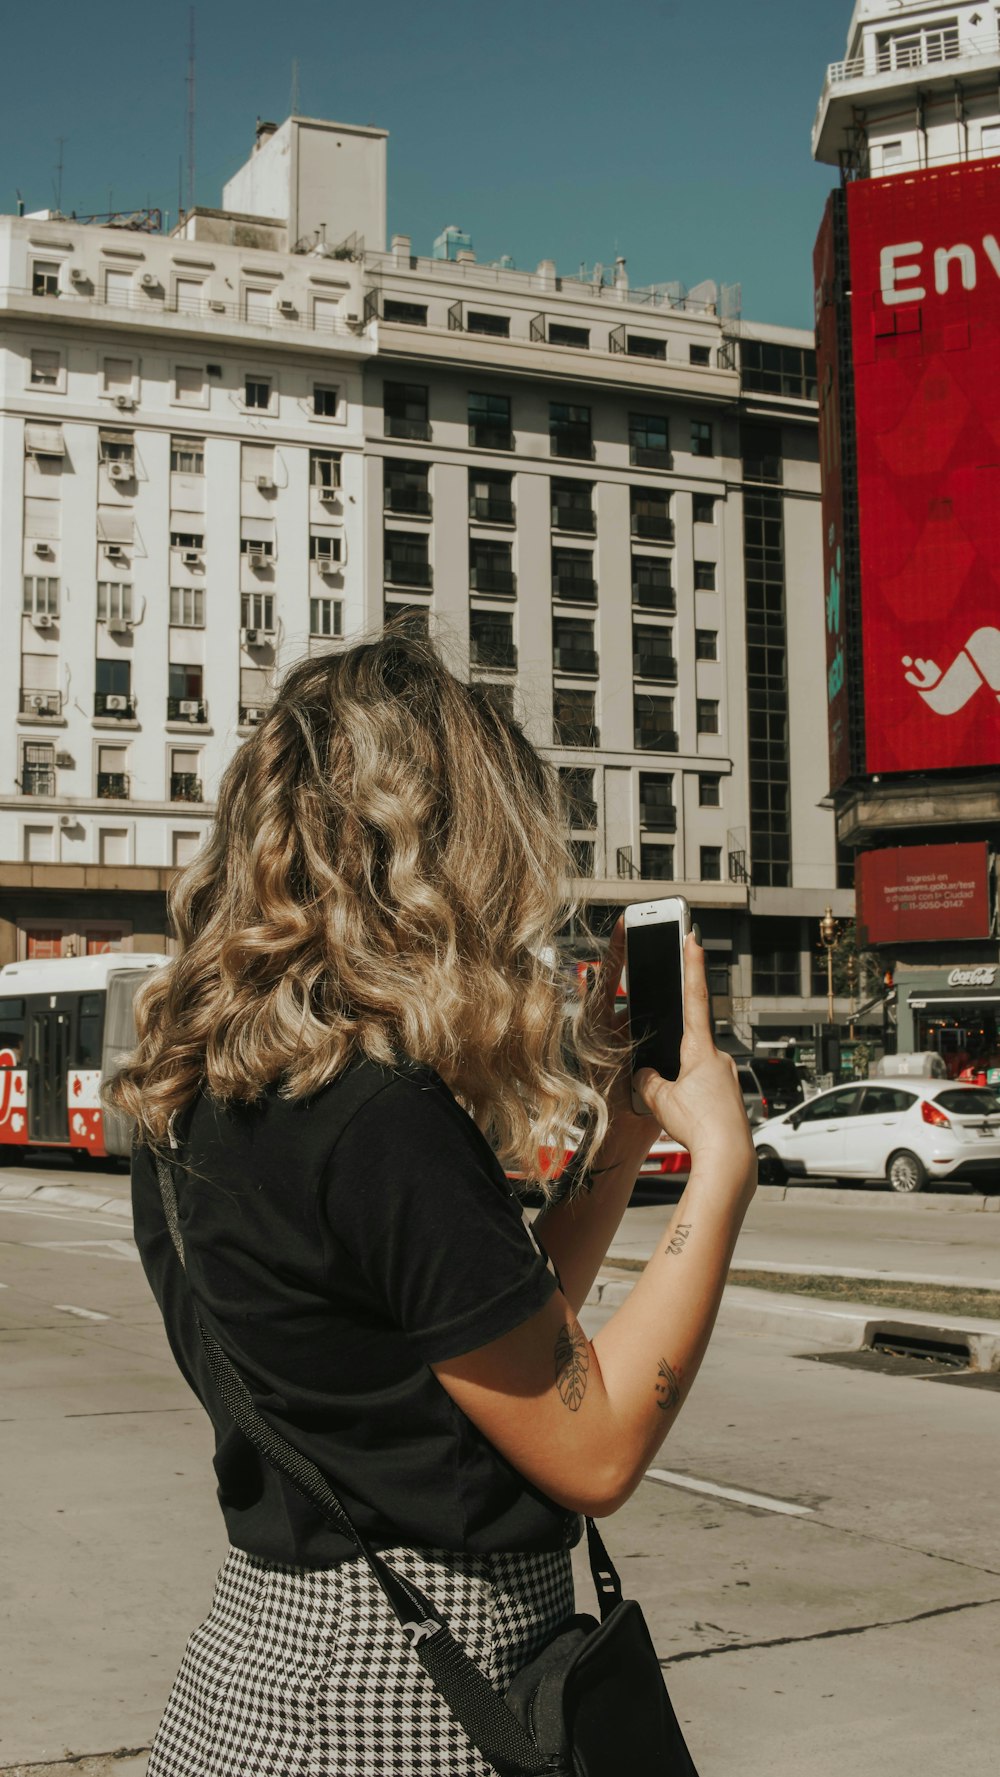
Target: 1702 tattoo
pixel 678 1238
pixel 572 1364
pixel 668 1386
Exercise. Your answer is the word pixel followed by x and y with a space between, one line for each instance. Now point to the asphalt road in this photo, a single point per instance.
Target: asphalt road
pixel 846 1617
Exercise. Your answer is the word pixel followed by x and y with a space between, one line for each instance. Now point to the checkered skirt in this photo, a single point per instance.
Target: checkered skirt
pixel 304 1672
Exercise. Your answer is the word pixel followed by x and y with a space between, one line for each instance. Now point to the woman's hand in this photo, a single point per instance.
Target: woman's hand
pixel 703 1108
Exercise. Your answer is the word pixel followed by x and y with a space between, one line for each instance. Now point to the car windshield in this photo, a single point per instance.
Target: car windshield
pixel 969 1101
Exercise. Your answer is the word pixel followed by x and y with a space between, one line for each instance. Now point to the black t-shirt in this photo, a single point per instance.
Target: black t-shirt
pixel 337 1247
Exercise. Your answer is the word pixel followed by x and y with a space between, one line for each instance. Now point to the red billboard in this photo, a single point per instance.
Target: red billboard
pixel 925 282
pixel 918 892
pixel 825 283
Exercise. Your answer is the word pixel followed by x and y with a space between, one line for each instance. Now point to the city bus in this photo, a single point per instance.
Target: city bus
pixel 65 1024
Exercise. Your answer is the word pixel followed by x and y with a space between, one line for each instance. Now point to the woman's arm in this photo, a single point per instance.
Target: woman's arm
pixel 582 1420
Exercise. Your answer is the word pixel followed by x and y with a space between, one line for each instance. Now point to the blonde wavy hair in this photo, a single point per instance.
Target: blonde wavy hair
pixel 385 877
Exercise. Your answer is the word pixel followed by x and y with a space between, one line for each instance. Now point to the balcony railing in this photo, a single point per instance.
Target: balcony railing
pixel 574 518
pixel 114 703
pixel 656 740
pixel 112 786
pixel 576 734
pixel 654 666
pixel 151 304
pixel 492 654
pixel 577 589
pixel 185 787
pixel 408 499
pixel 655 525
pixel 408 573
pixel 499 580
pixel 649 456
pixel 40 703
pixel 890 58
pixel 658 817
pixel 396 425
pixel 186 709
pixel 571 441
pixel 575 660
pixel 38 780
pixel 484 436
pixel 650 597
pixel 491 511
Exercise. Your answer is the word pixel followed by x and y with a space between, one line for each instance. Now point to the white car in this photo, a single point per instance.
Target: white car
pixel 906 1131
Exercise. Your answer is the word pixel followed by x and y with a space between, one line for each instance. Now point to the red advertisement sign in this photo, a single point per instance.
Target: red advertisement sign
pixel 918 892
pixel 925 279
pixel 825 284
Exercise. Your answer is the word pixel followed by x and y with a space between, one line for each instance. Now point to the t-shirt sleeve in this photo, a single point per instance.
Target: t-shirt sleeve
pixel 414 1195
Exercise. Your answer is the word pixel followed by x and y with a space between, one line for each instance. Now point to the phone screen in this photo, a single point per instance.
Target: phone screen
pixel 655 995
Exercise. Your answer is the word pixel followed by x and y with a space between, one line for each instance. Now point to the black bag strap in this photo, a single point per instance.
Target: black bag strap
pixel 466 1690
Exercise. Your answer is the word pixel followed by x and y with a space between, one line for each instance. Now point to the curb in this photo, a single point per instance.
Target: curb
pixel 68 1197
pixel 845 1326
pixel 864 1197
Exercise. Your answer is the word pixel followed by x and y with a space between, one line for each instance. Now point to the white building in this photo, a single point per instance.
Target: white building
pixel 248 439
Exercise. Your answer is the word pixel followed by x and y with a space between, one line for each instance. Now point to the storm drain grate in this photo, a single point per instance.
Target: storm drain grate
pixel 953 1354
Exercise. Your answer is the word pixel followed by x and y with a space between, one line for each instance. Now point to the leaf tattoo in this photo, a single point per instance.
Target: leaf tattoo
pixel 678 1238
pixel 668 1386
pixel 572 1363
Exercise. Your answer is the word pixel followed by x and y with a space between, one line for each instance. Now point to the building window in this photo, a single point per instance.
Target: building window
pixel 581 853
pixel 45 277
pixel 118 376
pixel 574 719
pixel 761 447
pixel 187 607
pixel 499 697
pixel 989 141
pixel 656 863
pixel 656 802
pixel 490 422
pixel 573 506
pixel 709 789
pixel 767 690
pixel 701 438
pixel 112 773
pixel 573 576
pixel 405 410
pixel 705 576
pixel 324 469
pixel 707 709
pixel 491 639
pixel 257 393
pixel 189 385
pixel 46 369
pixel 188 295
pixel 257 612
pixel 41 596
pixel 407 314
pixel 701 355
pixel 776 960
pixel 38 768
pixel 257 465
pixel 407 558
pixel 576 784
pixel 779 370
pixel 498 326
pixel 326 617
pixel 703 508
pixel 192 541
pixel 652 587
pixel 491 567
pixel 326 548
pixel 710 864
pixel 491 497
pixel 326 399
pixel 569 430
pixel 706 644
pixel 187 456
pixel 117 447
pixel 562 335
pixel 648 441
pixel 651 514
pixel 641 345
pixel 257 546
pixel 573 648
pixel 114 601
pixel 113 688
pixel 414 619
pixel 406 487
pixel 184 848
pixel 185 693
pixel 654 730
pixel 845 866
pixel 118 288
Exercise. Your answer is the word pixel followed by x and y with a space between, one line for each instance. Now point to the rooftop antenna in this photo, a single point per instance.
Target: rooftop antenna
pixel 294 99
pixel 190 113
pixel 60 144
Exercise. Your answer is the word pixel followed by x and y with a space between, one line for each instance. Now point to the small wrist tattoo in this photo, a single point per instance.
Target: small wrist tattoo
pixel 678 1238
pixel 572 1363
pixel 668 1386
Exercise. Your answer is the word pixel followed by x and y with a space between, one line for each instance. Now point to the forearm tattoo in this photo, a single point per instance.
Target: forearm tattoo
pixel 668 1386
pixel 678 1238
pixel 572 1364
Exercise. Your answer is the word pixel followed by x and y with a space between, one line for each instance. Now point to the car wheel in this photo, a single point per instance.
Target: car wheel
pixel 906 1171
pixel 770 1170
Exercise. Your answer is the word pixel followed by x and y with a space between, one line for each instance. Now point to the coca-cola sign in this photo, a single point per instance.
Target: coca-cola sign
pixel 985 976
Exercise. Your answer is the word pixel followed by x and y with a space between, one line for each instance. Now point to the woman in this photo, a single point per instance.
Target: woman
pixel 362 1013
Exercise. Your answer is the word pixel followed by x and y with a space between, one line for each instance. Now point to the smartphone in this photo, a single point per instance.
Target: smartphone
pixel 654 973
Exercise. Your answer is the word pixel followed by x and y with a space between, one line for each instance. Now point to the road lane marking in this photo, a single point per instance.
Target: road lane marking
pixel 84 1313
pixel 762 1501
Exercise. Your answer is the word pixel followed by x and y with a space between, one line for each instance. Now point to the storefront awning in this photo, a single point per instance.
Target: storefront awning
pixel 961 997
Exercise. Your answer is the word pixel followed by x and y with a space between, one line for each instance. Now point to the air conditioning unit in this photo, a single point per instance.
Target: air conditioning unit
pixel 250 637
pixel 42 620
pixel 119 471
pixel 126 403
pixel 265 485
pixel 65 761
pixel 119 626
pixel 257 558
pixel 328 495
pixel 149 280
pixel 115 702
pixel 114 552
pixel 44 705
pixel 43 549
pixel 217 307
pixel 77 275
pixel 191 558
pixel 251 715
pixel 285 305
pixel 67 820
pixel 189 707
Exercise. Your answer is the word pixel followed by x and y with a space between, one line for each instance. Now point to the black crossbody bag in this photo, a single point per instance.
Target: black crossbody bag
pixel 593 1703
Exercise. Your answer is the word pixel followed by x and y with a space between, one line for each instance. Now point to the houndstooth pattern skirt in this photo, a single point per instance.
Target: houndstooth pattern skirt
pixel 304 1672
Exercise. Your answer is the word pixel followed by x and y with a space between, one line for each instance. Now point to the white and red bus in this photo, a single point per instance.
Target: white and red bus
pixel 66 1023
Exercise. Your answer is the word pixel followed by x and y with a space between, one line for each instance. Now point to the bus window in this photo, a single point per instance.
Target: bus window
pixel 90 1030
pixel 11 1032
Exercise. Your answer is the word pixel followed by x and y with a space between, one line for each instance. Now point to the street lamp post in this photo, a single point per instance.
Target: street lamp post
pixel 828 936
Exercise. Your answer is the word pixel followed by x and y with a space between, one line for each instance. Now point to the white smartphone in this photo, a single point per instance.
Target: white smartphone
pixel 654 979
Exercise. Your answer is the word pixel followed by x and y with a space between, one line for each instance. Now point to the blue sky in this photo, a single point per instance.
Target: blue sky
pixel 675 132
